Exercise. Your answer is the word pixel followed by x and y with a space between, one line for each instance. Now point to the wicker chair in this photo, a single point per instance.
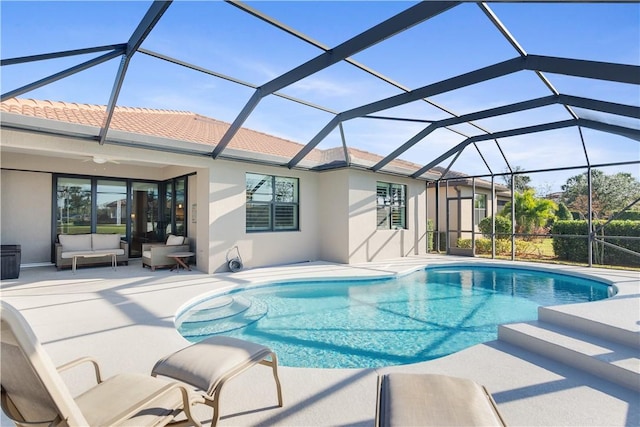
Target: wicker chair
pixel 155 254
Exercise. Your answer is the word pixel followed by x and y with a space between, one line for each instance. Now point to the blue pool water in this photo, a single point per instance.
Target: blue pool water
pixel 373 323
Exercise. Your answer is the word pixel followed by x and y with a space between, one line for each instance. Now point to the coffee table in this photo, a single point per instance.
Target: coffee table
pixel 182 259
pixel 74 261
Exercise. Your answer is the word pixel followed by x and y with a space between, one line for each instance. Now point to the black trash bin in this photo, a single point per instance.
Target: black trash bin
pixel 10 268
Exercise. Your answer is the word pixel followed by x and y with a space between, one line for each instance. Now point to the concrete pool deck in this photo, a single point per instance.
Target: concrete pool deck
pixel 124 318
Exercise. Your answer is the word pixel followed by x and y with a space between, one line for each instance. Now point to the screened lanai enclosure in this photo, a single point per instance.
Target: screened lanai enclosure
pixel 537 104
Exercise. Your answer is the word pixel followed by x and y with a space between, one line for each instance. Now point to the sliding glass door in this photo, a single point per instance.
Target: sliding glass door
pixel 139 211
pixel 111 207
pixel 145 216
pixel 73 206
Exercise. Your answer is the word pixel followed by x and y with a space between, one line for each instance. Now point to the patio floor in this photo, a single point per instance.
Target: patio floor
pixel 124 318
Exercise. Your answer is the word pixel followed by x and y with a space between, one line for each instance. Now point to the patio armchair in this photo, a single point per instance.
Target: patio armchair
pixel 155 254
pixel 34 394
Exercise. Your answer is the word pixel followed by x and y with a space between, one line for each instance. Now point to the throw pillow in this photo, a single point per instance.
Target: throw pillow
pixel 174 240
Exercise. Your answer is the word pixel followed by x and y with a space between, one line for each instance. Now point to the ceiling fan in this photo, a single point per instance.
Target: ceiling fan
pixel 100 160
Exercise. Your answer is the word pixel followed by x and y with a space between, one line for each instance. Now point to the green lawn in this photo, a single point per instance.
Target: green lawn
pixel 103 229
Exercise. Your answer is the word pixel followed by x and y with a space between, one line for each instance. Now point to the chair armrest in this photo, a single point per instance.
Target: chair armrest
pixel 148 246
pixel 166 250
pixel 80 361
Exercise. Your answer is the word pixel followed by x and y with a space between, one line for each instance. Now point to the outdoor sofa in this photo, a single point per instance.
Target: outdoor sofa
pixel 90 249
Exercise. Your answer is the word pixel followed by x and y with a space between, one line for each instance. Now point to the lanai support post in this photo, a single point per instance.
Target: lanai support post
pixel 493 216
pixel 448 228
pixel 513 217
pixel 591 240
pixel 473 217
pixel 437 225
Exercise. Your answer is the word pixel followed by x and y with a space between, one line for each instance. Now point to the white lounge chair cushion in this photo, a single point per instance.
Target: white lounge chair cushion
pixel 109 398
pixel 434 400
pixel 206 363
pixel 174 240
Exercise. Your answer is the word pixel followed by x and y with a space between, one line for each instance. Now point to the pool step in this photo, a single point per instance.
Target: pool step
pixel 240 313
pixel 612 361
pixel 603 329
pixel 216 309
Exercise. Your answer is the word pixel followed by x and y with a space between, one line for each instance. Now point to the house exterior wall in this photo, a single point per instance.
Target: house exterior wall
pixel 25 200
pixel 27 179
pixel 461 191
pixel 461 214
pixel 228 219
pixel 366 242
pixel 333 216
pixel 337 209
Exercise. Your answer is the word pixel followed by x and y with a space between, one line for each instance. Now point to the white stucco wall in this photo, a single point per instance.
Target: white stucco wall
pixel 333 216
pixel 366 242
pixel 257 249
pixel 464 191
pixel 337 208
pixel 26 214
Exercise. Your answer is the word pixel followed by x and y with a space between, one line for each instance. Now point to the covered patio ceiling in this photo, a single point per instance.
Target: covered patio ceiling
pixel 440 84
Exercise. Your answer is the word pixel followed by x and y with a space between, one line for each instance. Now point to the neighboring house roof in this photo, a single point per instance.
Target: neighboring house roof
pixel 459 178
pixel 192 127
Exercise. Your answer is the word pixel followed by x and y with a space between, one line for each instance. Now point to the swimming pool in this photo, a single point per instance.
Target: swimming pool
pixel 381 322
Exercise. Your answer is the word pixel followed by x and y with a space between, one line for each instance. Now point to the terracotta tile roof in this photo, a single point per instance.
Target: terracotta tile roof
pixel 186 126
pixel 179 125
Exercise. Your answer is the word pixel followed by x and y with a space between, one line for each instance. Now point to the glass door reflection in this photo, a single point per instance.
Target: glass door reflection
pixel 144 216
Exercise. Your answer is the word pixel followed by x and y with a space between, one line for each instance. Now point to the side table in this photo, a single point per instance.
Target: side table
pixel 182 259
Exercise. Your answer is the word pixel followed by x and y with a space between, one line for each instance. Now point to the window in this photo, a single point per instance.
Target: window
pixel 272 203
pixel 391 206
pixel 73 213
pixel 479 208
pixel 111 207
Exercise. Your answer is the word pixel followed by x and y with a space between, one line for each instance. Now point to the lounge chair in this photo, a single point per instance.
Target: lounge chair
pixel 209 364
pixel 434 400
pixel 34 394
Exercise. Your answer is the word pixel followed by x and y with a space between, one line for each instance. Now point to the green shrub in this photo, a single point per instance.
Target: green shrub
pixel 432 238
pixel 576 249
pixel 430 235
pixel 464 243
pixel 563 213
pixel 503 227
pixel 483 246
pixel 525 248
pixel 630 215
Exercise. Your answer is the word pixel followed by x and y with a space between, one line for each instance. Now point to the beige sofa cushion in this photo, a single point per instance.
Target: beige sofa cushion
pixel 75 242
pixel 174 240
pixel 105 241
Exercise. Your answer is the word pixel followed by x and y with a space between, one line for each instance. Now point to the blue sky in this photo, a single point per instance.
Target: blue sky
pixel 219 37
